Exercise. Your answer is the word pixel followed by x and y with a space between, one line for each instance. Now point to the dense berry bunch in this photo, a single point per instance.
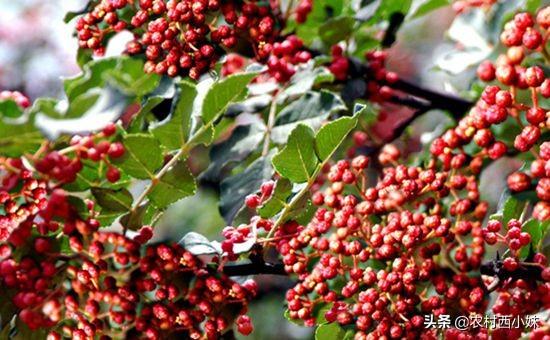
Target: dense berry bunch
pixel 97 280
pixel 95 147
pixel 501 103
pixel 109 276
pixel 66 276
pixel 402 216
pixel 21 197
pixel 30 194
pixel 180 37
pixel 284 56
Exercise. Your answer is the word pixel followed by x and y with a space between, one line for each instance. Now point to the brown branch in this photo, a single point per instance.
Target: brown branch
pixel 254 268
pixel 455 105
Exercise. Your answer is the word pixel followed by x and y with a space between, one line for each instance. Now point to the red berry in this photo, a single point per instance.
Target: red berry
pixel 244 325
pixel 252 201
pixel 42 245
pixel 510 264
pixel 113 174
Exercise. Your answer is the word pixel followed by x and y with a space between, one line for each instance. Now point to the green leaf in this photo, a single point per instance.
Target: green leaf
pixel 312 109
pixel 429 5
pixel 329 331
pixel 388 7
pixel 79 206
pixel 92 76
pixel 303 213
pixel 511 210
pixel 82 103
pixel 320 315
pixel 140 216
pixel 235 188
pixel 206 136
pixel 277 201
pixel 532 5
pixel 173 132
pixel 297 161
pixel 224 92
pixel 129 76
pixel 17 139
pixel 322 11
pixel 165 91
pixel 25 333
pixel 83 56
pixel 46 106
pixel 9 108
pixel 7 312
pixel 336 29
pixel 106 217
pixel 537 229
pixel 243 141
pixel 298 322
pixel 375 264
pixel 305 80
pixel 142 157
pixel 330 136
pixel 92 175
pixel 545 228
pixel 177 183
pixel 366 115
pixel 113 200
pixel 73 14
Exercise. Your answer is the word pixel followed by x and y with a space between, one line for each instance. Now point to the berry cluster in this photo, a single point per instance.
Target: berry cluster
pixel 242 234
pixel 30 278
pixel 94 287
pixel 66 276
pixel 514 238
pixel 284 56
pixel 30 196
pixel 378 89
pixel 302 10
pixel 340 64
pixel 95 147
pixel 108 277
pixel 254 200
pixel 180 37
pixel 352 234
pixel 501 103
pixel 21 197
pixel 525 295
pixel 20 99
pixel 233 63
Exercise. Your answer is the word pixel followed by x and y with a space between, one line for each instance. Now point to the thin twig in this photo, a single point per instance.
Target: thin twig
pixel 270 123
